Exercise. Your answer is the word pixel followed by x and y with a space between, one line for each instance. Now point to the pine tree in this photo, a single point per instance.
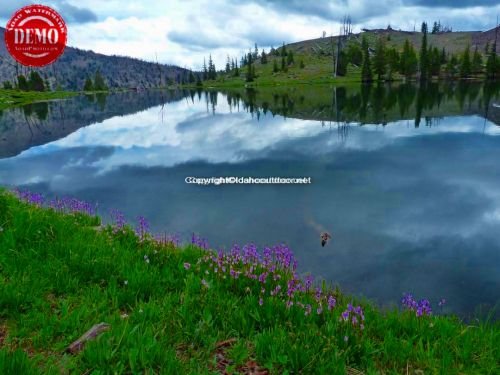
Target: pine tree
pixel 408 62
pixel 255 53
pixel 236 70
pixel 435 28
pixel 212 73
pixel 192 78
pixel 88 86
pixel 392 57
pixel 263 57
pixel 366 70
pixel 275 66
pixel 465 65
pixel 22 83
pixel 228 64
pixel 99 84
pixel 250 73
pixel 289 58
pixel 205 70
pixel 434 62
pixel 443 56
pixel 35 82
pixel 232 64
pixel 379 61
pixel 283 50
pixel 283 64
pixel 477 62
pixel 198 81
pixel 424 63
pixel 451 66
pixel 491 63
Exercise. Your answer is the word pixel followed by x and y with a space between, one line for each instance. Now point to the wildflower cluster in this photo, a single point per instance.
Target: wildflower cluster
pixel 274 273
pixel 36 199
pixel 199 241
pixel 119 221
pixel 142 228
pixel 64 205
pixel 354 316
pixel 422 307
pixel 168 239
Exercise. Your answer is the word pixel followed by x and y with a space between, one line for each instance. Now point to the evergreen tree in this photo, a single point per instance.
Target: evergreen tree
pixel 392 57
pixel 289 58
pixel 465 64
pixel 236 70
pixel 88 86
pixel 477 62
pixel 491 62
pixel 192 78
pixel 354 54
pixel 443 56
pixel 263 57
pixel 434 62
pixel 283 64
pixel 366 70
pixel 408 62
pixel 22 83
pixel 379 61
pixel 435 28
pixel 424 63
pixel 283 50
pixel 232 64
pixel 451 69
pixel 35 82
pixel 255 53
pixel 487 48
pixel 302 65
pixel 275 66
pixel 212 73
pixel 99 84
pixel 228 64
pixel 205 70
pixel 198 81
pixel 250 73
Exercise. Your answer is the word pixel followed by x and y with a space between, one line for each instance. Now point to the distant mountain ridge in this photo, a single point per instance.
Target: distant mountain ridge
pixel 71 70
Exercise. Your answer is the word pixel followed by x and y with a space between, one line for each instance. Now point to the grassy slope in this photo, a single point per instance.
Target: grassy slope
pixel 14 98
pixel 59 276
pixel 318 66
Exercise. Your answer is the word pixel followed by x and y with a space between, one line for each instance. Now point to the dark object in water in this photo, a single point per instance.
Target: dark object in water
pixel 325 236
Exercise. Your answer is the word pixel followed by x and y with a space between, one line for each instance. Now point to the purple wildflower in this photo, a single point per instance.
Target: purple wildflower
pixel 142 228
pixel 331 302
pixel 187 266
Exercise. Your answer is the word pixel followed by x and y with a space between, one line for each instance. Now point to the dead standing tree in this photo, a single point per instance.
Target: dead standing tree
pixel 344 34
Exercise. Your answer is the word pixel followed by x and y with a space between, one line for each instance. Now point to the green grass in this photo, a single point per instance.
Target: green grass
pixel 61 274
pixel 14 98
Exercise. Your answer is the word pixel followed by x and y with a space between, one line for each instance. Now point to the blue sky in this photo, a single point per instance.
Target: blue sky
pixel 182 32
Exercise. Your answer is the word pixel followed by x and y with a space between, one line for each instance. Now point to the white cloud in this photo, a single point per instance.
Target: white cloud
pixel 184 32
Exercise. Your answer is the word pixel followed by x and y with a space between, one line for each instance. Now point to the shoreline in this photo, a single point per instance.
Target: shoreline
pixel 192 298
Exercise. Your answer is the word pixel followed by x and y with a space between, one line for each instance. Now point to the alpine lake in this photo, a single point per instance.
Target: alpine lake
pixel 405 178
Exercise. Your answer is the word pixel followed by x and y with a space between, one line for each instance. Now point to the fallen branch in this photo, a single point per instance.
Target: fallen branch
pixel 91 334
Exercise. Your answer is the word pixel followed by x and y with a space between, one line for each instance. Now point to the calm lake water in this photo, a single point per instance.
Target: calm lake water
pixel 405 178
